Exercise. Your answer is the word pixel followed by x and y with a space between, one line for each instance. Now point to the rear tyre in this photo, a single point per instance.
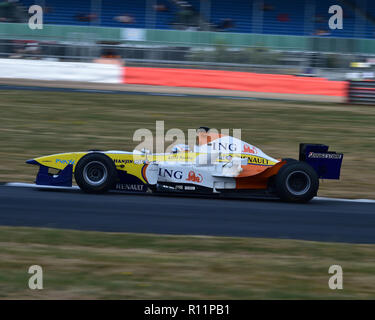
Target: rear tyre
pixel 297 182
pixel 289 160
pixel 95 173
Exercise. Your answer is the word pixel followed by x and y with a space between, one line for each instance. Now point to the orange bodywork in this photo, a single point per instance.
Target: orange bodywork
pixel 256 177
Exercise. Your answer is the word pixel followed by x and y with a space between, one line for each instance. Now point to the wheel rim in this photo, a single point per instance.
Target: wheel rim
pixel 298 183
pixel 95 173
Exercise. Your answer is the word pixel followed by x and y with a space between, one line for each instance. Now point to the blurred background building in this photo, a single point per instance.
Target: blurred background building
pixel 290 37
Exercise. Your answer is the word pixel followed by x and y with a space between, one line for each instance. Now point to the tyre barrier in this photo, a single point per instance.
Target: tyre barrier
pixel 361 92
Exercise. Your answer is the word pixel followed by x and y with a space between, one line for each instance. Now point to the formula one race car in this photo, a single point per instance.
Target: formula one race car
pixel 219 166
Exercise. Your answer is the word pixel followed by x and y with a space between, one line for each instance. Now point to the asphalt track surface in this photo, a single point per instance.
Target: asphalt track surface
pixel 319 220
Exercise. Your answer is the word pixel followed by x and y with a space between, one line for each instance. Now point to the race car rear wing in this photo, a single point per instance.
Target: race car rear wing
pixel 326 164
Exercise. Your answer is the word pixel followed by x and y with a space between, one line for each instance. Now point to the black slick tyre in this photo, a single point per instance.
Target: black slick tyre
pixel 296 182
pixel 95 173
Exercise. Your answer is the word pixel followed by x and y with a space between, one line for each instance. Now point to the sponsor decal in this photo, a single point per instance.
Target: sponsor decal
pixel 65 161
pixel 178 157
pixel 165 186
pixel 141 161
pixel 182 187
pixel 314 155
pixel 223 146
pixel 130 187
pixel 166 173
pixel 249 149
pixel 122 161
pixel 257 160
pixel 189 188
pixel 193 177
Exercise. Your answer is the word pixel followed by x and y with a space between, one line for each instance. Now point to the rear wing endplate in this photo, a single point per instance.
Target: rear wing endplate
pixel 327 164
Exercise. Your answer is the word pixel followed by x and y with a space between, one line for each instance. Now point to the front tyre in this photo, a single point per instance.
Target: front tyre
pixel 95 173
pixel 297 182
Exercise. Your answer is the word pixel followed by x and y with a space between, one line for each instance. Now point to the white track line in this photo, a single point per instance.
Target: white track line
pixel 345 200
pixel 31 185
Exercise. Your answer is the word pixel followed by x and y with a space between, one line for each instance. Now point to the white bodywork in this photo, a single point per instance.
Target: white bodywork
pixel 216 166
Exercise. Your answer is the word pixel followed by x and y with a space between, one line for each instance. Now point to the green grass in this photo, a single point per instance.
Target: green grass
pixel 40 123
pixel 95 265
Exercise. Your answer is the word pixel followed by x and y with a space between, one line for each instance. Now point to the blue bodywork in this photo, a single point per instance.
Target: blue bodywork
pixel 326 164
pixel 63 179
pixel 126 182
